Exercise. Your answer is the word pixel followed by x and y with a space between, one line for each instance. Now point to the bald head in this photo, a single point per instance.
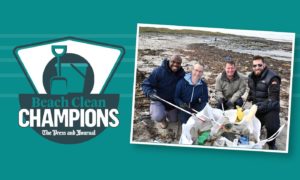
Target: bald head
pixel 198 67
pixel 197 73
pixel 175 63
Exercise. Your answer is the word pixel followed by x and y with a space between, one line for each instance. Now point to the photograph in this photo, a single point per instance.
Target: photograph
pixel 212 88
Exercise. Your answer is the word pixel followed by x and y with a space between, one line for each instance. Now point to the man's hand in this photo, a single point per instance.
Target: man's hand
pixel 261 107
pixel 229 105
pixel 184 106
pixel 153 97
pixel 221 100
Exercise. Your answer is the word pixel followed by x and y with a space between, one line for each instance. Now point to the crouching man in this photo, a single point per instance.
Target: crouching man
pixel 162 83
pixel 264 87
pixel 191 93
pixel 230 87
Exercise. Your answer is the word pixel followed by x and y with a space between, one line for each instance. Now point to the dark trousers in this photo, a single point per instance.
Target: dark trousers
pixel 238 102
pixel 272 123
pixel 183 117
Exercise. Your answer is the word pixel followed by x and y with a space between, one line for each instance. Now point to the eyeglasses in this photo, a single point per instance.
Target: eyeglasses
pixel 255 65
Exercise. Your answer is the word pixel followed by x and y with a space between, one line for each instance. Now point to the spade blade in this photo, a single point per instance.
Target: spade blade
pixel 58 85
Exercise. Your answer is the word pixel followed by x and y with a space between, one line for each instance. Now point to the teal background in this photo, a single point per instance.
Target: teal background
pixel 26 155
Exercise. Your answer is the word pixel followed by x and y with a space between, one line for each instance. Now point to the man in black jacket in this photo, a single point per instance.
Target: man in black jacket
pixel 264 91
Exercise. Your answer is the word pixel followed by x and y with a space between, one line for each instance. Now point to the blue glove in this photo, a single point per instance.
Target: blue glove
pixel 229 105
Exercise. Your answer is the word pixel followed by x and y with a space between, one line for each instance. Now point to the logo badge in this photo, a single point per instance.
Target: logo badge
pixel 69 77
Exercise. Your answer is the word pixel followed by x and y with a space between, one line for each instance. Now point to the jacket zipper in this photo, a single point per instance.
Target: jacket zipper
pixel 191 97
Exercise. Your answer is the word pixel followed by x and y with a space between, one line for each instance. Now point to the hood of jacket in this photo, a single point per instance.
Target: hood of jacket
pixel 188 78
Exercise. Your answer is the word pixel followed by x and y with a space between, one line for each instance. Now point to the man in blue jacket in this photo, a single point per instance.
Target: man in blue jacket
pixel 191 92
pixel 162 82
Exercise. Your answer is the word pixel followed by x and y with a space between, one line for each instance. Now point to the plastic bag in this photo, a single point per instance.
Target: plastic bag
pixel 215 119
pixel 192 127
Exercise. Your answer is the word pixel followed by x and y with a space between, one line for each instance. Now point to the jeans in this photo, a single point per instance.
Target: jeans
pixel 159 113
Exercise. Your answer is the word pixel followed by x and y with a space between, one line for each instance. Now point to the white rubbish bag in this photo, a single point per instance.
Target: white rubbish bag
pixel 214 119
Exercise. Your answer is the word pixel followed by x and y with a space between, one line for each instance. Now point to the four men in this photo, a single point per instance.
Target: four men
pixel 190 92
